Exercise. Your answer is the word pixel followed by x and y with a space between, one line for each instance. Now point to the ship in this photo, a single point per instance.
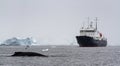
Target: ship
pixel 90 36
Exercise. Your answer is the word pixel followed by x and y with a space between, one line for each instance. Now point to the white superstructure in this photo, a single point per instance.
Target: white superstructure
pixel 91 31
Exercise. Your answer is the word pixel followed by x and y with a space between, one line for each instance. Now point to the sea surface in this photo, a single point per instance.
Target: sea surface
pixel 61 56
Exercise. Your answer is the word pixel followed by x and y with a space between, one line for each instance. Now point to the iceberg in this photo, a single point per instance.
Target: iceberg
pixel 18 42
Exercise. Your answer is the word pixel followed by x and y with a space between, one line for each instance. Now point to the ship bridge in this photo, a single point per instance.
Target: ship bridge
pixel 87 32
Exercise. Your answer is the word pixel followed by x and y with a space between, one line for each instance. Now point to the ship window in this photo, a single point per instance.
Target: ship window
pixel 87 31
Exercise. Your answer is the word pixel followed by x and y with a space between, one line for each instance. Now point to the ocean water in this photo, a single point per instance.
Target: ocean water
pixel 61 56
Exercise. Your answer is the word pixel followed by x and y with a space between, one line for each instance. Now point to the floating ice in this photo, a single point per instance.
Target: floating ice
pixel 45 49
pixel 17 41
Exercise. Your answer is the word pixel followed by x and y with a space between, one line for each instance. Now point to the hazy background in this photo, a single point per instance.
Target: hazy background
pixel 57 21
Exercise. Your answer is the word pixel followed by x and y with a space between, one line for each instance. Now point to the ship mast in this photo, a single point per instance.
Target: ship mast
pixel 88 22
pixel 96 22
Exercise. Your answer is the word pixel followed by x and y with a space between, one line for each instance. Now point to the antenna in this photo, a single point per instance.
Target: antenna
pixel 91 23
pixel 83 25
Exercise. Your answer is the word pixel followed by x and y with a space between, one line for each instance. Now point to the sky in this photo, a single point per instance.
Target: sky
pixel 57 22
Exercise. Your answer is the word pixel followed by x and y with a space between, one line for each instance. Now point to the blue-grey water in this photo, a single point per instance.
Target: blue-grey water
pixel 61 56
